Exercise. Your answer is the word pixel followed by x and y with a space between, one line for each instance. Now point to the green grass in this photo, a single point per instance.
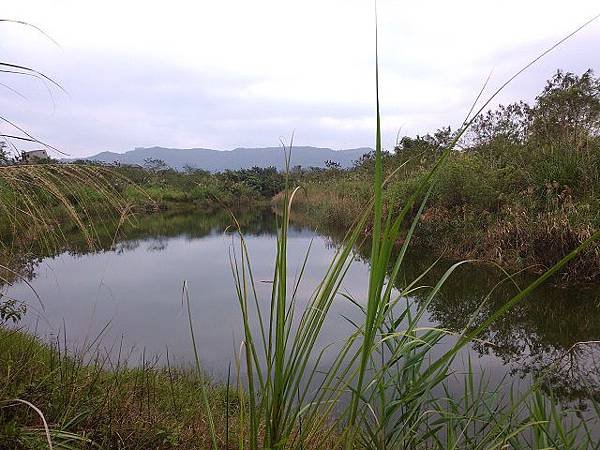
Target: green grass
pixel 86 398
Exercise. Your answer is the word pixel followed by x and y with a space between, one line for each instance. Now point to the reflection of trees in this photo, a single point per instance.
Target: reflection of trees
pixel 153 230
pixel 571 375
pixel 537 337
pixel 125 246
pixel 15 265
pixel 157 245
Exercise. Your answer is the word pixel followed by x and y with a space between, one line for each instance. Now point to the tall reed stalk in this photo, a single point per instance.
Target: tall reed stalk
pixel 379 390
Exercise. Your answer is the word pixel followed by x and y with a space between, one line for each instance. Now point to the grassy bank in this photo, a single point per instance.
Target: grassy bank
pixel 46 202
pixel 89 401
pixel 521 189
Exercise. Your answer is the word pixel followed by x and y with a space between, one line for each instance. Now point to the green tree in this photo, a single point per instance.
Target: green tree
pixel 155 165
pixel 509 124
pixel 333 165
pixel 567 112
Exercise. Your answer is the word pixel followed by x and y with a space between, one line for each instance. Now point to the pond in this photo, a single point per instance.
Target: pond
pixel 126 298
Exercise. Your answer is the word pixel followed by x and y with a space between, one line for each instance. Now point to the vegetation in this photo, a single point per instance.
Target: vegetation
pixel 386 386
pixel 167 187
pixel 92 402
pixel 86 196
pixel 157 186
pixel 521 189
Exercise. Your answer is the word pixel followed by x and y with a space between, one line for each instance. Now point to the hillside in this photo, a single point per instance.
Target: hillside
pixel 239 158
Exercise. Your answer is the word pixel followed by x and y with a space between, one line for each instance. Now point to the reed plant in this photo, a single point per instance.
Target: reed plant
pixel 382 388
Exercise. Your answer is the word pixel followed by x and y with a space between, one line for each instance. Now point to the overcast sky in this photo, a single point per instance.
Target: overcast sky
pixel 240 73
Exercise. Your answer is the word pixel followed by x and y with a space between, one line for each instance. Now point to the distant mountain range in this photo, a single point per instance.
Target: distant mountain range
pixel 239 158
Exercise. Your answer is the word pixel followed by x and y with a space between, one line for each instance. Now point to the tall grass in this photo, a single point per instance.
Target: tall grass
pixel 37 199
pixel 91 400
pixel 383 388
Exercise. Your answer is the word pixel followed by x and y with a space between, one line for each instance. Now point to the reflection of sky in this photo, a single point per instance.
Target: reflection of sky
pixel 138 293
pixel 137 289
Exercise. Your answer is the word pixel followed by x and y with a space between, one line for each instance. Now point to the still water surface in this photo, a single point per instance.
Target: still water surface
pixel 127 297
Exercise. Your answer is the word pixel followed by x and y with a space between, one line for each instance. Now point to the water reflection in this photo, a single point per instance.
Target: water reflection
pixel 553 335
pixel 133 282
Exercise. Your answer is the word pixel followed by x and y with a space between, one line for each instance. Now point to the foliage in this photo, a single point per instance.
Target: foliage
pixel 5 157
pixel 155 165
pixel 521 190
pixel 509 124
pixel 89 402
pixel 11 310
pixel 567 112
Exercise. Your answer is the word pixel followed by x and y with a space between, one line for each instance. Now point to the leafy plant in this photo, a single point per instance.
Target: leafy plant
pixel 11 310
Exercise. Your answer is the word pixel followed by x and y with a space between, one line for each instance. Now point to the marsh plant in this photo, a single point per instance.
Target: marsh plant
pixel 383 388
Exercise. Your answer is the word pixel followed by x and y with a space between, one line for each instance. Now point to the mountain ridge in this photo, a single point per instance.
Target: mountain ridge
pixel 238 158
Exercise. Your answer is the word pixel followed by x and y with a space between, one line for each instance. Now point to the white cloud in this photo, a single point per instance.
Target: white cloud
pixel 238 73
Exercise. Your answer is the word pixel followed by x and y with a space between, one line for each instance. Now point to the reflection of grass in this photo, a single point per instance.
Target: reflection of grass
pixel 19 261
